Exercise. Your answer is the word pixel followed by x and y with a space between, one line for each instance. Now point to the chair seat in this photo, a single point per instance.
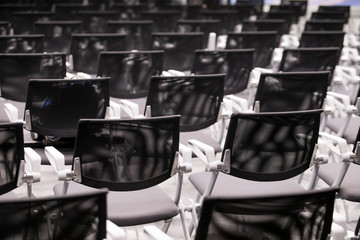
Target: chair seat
pixel 350 135
pixel 202 137
pixel 229 186
pixel 8 196
pixel 349 188
pixel 126 208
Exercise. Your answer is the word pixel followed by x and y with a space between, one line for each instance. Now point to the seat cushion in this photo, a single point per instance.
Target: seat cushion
pixel 229 186
pixel 349 188
pixel 127 208
pixel 351 131
pixel 8 196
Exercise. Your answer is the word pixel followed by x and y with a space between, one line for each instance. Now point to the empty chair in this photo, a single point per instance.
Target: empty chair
pixel 297 8
pixel 291 91
pixel 236 64
pixel 66 10
pixel 264 42
pixel 178 48
pixel 17 69
pixel 228 18
pixel 6 8
pixel 130 158
pixel 23 21
pixel 4 27
pixel 302 3
pixel 66 217
pixel 278 25
pixel 27 43
pixel 330 15
pixel 95 21
pixel 129 11
pixel 57 34
pixel 199 25
pixel 290 16
pixel 322 39
pixel 169 25
pixel 324 25
pixel 85 49
pixel 138 32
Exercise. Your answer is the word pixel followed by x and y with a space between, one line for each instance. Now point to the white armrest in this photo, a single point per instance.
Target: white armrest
pixel 276 57
pixel 185 160
pixel 33 159
pixel 341 142
pixel 113 111
pixel 114 232
pixel 289 41
pixel 211 44
pixel 174 72
pixel 130 108
pixel 203 151
pixel 12 112
pixel 236 104
pixel 57 160
pixel 155 233
pixel 166 74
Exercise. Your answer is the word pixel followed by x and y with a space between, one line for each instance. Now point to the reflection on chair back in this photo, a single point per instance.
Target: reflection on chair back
pixel 236 64
pixel 67 217
pixel 55 106
pixel 297 216
pixel 130 72
pixel 124 155
pixel 25 43
pixel 17 69
pixel 12 152
pixel 196 98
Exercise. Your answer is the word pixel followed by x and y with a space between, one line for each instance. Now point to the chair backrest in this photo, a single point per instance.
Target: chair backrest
pixel 196 98
pixel 23 21
pixel 63 217
pixel 130 72
pixel 178 48
pixel 300 216
pixel 290 16
pixel 65 10
pixel 12 152
pixel 292 91
pixel 158 16
pixel 297 7
pixel 4 27
pixel 228 18
pixel 310 59
pixel 7 7
pixel 199 25
pixel 94 21
pixel 271 146
pixel 236 64
pixel 324 25
pixel 16 69
pixel 129 11
pixel 86 47
pixel 57 34
pixel 24 43
pixel 278 25
pixel 330 15
pixel 124 155
pixel 263 42
pixel 138 32
pixel 322 39
pixel 55 106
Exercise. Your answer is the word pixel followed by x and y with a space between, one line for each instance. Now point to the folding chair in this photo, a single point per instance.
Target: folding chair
pixel 22 43
pixel 322 39
pixel 23 21
pixel 57 34
pixel 130 158
pixel 85 49
pixel 130 74
pixel 324 25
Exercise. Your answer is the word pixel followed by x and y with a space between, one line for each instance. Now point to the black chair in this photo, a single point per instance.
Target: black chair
pixel 278 25
pixel 324 25
pixel 158 18
pixel 86 48
pixel 138 32
pixel 322 39
pixel 95 21
pixel 129 11
pixel 285 216
pixel 302 3
pixel 5 27
pixel 23 21
pixel 6 8
pixel 67 217
pixel 199 25
pixel 57 34
pixel 178 48
pixel 291 91
pixel 296 7
pixel 263 42
pixel 310 59
pixel 330 15
pixel 228 18
pixel 130 158
pixel 290 16
pixel 236 64
pixel 28 43
pixel 343 9
pixel 67 10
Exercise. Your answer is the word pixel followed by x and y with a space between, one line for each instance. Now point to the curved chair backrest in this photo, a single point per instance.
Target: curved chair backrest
pixel 278 25
pixel 65 217
pixel 22 43
pixel 199 25
pixel 330 15
pixel 138 32
pixel 23 21
pixel 310 59
pixel 292 91
pixel 178 48
pixel 130 72
pixel 86 47
pixel 322 39
pixel 57 34
pixel 124 155
pixel 12 152
pixel 324 25
pixel 236 64
pixel 5 28
pixel 271 146
pixel 292 216
pixel 228 18
pixel 158 16
pixel 94 21
pixel 16 69
pixel 196 98
pixel 55 106
pixel 263 42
